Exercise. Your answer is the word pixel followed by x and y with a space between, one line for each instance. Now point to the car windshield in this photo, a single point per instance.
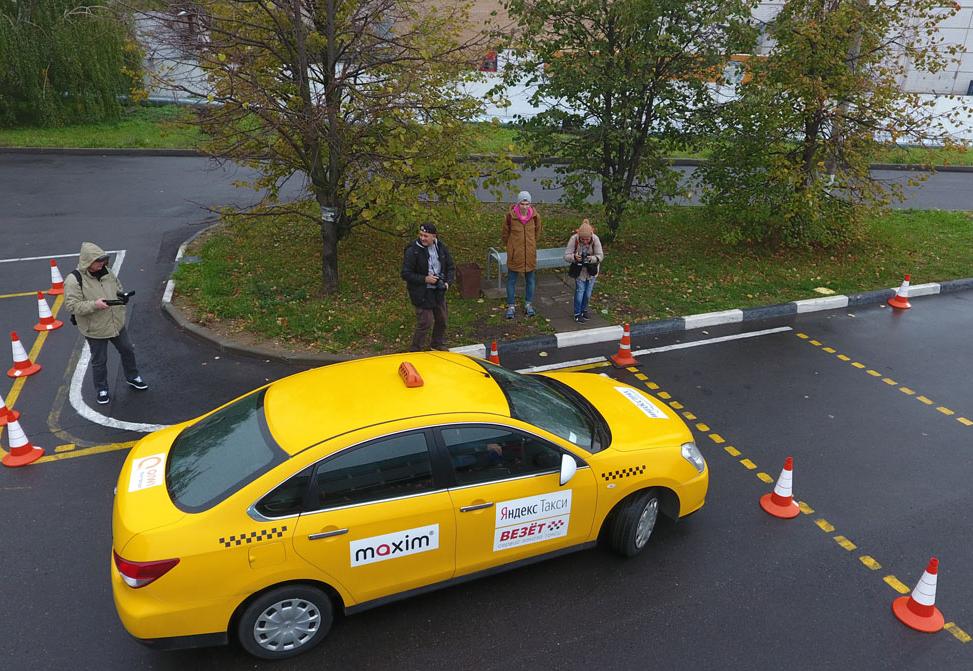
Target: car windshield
pixel 220 454
pixel 552 406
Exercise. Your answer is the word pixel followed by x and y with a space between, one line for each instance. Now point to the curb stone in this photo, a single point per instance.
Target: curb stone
pixel 574 338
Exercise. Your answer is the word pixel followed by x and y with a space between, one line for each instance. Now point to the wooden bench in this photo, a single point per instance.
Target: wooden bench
pixel 546 258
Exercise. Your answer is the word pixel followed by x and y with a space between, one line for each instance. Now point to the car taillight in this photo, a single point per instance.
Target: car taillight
pixel 140 573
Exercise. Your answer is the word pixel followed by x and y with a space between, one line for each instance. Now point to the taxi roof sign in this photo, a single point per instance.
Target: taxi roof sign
pixel 410 375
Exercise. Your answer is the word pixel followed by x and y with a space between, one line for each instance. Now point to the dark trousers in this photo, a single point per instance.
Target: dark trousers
pixel 427 318
pixel 99 358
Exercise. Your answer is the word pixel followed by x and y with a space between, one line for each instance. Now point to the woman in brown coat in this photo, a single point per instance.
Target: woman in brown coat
pixel 521 233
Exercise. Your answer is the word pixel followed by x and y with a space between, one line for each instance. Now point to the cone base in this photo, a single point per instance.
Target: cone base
pixel 899 303
pixel 15 460
pixel 24 372
pixel 56 324
pixel 784 512
pixel 928 623
pixel 623 360
pixel 55 292
pixel 9 416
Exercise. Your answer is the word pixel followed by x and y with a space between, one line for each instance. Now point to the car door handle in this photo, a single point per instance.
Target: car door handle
pixel 326 534
pixel 478 506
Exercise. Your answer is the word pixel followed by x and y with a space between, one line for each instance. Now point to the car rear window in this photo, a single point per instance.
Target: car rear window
pixel 218 455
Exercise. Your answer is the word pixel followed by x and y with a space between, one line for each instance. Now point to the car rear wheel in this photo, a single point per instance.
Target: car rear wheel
pixel 632 524
pixel 285 622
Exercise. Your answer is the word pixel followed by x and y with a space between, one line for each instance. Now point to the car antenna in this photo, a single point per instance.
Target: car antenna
pixel 464 365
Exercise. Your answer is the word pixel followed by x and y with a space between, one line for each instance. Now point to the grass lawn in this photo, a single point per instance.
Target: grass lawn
pixel 162 127
pixel 261 277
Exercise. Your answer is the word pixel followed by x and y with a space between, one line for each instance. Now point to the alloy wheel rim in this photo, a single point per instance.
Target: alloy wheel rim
pixel 646 522
pixel 287 625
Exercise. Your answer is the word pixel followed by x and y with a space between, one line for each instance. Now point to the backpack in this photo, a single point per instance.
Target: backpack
pixel 77 276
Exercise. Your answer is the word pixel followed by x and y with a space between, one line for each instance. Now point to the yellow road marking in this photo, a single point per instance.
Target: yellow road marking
pixel 957 632
pixel 963 420
pixel 802 336
pixel 664 395
pixel 923 399
pixel 716 438
pixel 702 427
pixel 97 449
pixel 845 543
pixel 746 463
pixel 815 343
pixel 652 385
pixel 873 373
pixel 844 358
pixel 65 448
pixel 632 369
pixel 641 376
pixel 732 451
pixel 870 562
pixel 945 411
pixel 676 405
pixel 906 390
pixel 829 350
pixel 688 415
pixel 824 524
pixel 857 365
pixel 766 478
pixel 26 293
pixel 889 381
pixel 896 584
pixel 805 508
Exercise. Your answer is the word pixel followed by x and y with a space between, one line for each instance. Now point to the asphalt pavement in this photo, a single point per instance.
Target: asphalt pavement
pixel 870 402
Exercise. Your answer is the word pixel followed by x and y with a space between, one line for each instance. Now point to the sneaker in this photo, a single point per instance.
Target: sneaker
pixel 136 382
pixel 577 318
pixel 103 397
pixel 509 314
pixel 529 310
pixel 584 316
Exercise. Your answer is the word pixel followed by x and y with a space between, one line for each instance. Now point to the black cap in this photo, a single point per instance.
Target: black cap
pixel 428 228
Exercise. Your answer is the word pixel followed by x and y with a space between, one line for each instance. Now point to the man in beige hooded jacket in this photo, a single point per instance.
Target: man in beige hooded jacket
pixel 86 291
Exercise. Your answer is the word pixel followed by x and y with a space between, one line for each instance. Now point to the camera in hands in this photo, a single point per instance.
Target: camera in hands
pixel 123 297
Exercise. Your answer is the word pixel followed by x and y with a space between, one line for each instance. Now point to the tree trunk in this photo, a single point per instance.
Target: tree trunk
pixel 329 246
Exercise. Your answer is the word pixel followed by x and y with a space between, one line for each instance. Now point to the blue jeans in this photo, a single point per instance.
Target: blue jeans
pixel 582 294
pixel 529 282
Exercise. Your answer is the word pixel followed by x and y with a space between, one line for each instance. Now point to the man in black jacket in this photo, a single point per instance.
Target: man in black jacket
pixel 428 271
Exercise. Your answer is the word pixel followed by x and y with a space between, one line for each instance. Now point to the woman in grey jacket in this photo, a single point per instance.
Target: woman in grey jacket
pixel 585 254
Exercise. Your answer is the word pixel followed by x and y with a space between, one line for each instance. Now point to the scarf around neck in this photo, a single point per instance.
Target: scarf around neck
pixel 524 219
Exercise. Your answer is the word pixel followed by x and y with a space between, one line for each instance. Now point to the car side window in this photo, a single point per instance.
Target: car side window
pixel 383 469
pixel 287 498
pixel 486 453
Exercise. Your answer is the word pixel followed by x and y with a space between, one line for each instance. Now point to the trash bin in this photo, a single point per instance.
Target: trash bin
pixel 468 276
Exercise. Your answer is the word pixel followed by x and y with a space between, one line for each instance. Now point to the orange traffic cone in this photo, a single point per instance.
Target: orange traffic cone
pixel 901 298
pixel 22 365
pixel 494 355
pixel 624 355
pixel 6 414
pixel 918 610
pixel 47 321
pixel 21 451
pixel 780 502
pixel 57 282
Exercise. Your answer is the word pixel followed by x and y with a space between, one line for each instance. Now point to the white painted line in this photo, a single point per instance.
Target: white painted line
pixel 711 341
pixel 53 256
pixel 713 319
pixel 167 294
pixel 565 364
pixel 816 304
pixel 655 350
pixel 589 336
pixel 922 289
pixel 472 350
pixel 77 380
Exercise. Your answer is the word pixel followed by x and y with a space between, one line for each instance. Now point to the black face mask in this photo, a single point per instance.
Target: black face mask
pixel 101 273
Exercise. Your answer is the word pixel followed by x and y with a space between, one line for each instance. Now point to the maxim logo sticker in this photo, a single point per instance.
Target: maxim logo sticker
pixel 147 472
pixel 398 544
pixel 532 520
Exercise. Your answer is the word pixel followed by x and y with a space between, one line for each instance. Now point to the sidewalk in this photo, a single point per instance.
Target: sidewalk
pixel 554 301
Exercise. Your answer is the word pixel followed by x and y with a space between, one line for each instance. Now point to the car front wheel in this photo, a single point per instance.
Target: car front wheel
pixel 632 524
pixel 285 621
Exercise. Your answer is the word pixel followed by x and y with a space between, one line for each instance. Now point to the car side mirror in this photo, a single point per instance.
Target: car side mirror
pixel 568 468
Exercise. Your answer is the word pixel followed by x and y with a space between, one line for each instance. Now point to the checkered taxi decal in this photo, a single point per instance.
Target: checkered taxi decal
pixel 253 536
pixel 623 473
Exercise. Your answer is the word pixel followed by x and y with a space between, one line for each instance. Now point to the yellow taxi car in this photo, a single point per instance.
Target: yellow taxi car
pixel 349 486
